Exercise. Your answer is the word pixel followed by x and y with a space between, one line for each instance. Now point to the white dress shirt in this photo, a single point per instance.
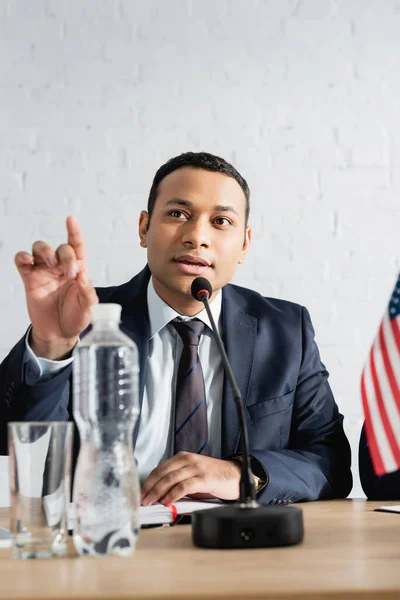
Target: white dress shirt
pixel 155 439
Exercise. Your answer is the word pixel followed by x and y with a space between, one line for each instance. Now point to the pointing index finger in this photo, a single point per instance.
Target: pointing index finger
pixel 75 238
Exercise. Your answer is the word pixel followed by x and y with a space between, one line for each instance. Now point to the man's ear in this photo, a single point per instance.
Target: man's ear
pixel 143 226
pixel 246 245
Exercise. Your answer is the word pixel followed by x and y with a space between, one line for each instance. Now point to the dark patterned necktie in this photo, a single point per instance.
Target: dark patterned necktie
pixel 191 431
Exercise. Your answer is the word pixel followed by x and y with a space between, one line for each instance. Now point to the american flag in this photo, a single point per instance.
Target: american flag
pixel 380 391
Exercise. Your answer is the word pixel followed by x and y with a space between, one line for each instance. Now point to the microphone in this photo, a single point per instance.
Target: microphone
pixel 202 290
pixel 244 524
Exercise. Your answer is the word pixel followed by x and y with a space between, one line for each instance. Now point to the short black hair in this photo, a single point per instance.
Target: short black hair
pixel 198 160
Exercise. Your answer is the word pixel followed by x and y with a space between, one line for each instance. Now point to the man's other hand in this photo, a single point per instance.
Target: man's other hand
pixel 188 474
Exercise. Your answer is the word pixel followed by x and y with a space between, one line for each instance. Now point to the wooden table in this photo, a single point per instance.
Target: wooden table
pixel 349 551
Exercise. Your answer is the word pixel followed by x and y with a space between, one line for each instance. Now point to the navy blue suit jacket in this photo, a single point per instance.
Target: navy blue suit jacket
pixel 295 430
pixel 376 487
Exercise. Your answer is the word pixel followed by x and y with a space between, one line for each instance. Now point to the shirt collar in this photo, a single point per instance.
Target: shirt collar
pixel 160 314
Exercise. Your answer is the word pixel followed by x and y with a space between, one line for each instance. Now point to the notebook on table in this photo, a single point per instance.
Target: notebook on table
pixel 160 514
pixel 394 508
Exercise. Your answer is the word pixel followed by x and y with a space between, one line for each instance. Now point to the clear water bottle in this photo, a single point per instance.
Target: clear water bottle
pixel 106 488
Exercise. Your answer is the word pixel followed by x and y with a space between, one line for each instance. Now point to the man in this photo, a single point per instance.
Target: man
pixel 195 225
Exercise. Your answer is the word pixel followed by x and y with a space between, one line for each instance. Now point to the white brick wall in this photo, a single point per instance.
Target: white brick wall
pixel 301 95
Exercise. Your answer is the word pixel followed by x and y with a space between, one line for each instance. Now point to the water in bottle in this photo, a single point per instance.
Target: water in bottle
pixel 106 489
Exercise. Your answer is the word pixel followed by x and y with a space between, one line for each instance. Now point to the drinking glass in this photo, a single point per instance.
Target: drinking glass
pixel 40 471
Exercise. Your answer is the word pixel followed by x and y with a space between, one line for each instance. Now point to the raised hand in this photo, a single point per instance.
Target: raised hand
pixel 58 293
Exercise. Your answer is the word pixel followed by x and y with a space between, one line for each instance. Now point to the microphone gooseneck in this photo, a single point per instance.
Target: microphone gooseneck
pixel 202 290
pixel 245 524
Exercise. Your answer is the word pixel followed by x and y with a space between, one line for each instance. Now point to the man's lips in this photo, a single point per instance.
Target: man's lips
pixel 193 260
pixel 192 264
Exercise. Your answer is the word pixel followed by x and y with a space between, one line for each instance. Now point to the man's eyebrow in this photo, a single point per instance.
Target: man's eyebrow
pixel 188 204
pixel 225 208
pixel 180 202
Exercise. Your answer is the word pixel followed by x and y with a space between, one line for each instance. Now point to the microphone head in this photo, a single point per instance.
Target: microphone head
pixel 201 289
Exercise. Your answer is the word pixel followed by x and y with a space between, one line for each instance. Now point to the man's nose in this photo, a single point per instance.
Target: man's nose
pixel 196 234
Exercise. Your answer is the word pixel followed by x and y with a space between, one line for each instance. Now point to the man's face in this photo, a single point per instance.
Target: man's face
pixel 197 229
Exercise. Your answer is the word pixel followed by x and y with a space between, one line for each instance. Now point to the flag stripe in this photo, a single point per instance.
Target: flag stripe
pixel 381 403
pixel 388 377
pixel 392 350
pixel 382 453
pixel 386 394
pixel 375 453
pixel 396 332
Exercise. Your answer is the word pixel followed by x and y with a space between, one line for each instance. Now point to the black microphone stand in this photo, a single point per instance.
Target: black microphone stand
pixel 247 494
pixel 246 524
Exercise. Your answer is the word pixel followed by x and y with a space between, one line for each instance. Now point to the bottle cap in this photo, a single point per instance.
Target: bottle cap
pixel 106 312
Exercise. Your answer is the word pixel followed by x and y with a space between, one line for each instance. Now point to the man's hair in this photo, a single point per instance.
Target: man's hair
pixel 198 160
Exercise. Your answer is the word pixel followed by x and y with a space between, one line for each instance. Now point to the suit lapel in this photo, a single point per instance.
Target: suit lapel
pixel 240 335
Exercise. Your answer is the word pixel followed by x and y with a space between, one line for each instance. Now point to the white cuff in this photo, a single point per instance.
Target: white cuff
pixel 40 369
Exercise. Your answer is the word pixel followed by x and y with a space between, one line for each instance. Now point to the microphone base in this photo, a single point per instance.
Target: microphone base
pixel 242 527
